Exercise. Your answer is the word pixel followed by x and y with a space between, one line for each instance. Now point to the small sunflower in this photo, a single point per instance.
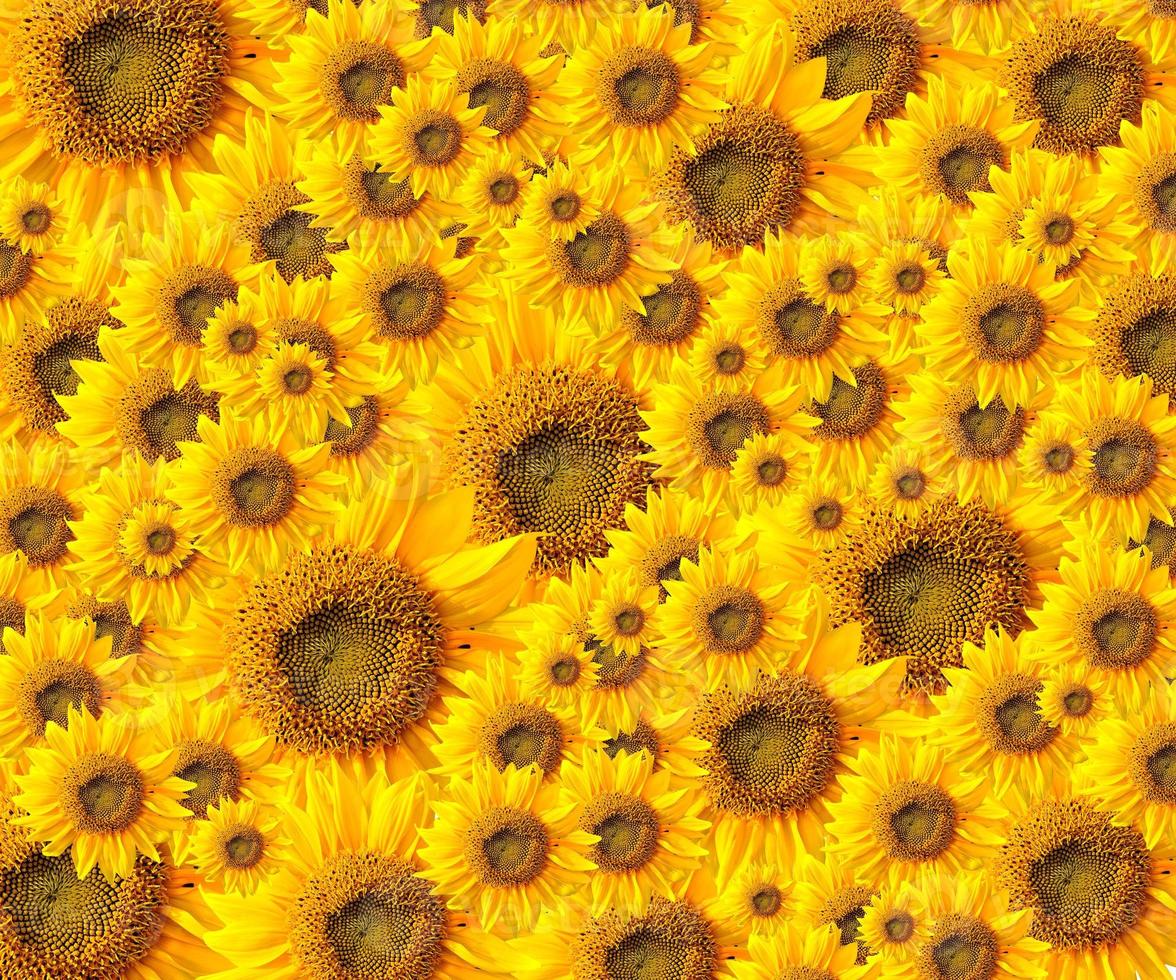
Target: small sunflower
pixel 32 216
pixel 102 791
pixel 767 469
pixel 1077 699
pixel 493 195
pixel 822 513
pixel 801 953
pixel 758 899
pixel 1053 461
pixel 40 494
pixel 891 925
pixel 239 846
pixel 23 592
pixel 723 357
pixel 909 478
pixel 561 204
pixel 504 844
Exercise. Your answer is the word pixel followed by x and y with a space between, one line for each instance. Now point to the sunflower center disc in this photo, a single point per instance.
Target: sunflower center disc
pixel 501 88
pixel 671 314
pixel 243 848
pixel 51 688
pixel 628 829
pixel 213 769
pixel 506 846
pixel 960 947
pixel 638 87
pixel 914 821
pixel 33 520
pixel 670 941
pixel 523 735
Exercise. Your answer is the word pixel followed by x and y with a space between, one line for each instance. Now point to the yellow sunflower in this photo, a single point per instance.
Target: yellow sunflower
pixel 767 469
pixel 32 216
pixel 891 926
pixel 419 301
pixel 1077 698
pixel 732 615
pixel 802 953
pixel 1057 859
pixel 908 479
pixel 351 891
pixel 430 136
pixel 723 357
pixel 813 344
pixel 641 86
pixel 505 845
pixel 493 716
pixel 135 544
pixel 510 73
pixel 393 561
pixel 1053 461
pixel 1141 173
pixel 644 827
pixel 948 140
pixel 1130 764
pixel 52 667
pixel 40 494
pixel 344 65
pixel 1056 209
pixel 758 899
pixel 1002 322
pixel 251 185
pixel 1129 439
pixel 968 926
pixel 822 513
pixel 493 195
pixel 117 104
pixel 175 281
pixel 833 271
pixel 561 203
pixel 377 434
pixel 912 808
pixel 771 162
pixel 23 592
pixel 1111 610
pixel 239 846
pixel 612 264
pixel 990 720
pixel 983 28
pixel 102 791
pixel 831 898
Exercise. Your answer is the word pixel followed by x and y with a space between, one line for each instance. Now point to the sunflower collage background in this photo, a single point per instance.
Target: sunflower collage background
pixel 587 489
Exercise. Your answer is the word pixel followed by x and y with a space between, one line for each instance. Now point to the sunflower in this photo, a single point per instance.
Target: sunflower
pixel 339 650
pixel 31 281
pixel 723 357
pixel 549 442
pixel 253 187
pixel 641 85
pixel 822 513
pixel 1002 322
pixel 758 899
pixel 914 810
pixel 124 407
pixel 644 826
pixel 696 432
pixel 118 104
pixel 921 589
pixel 430 136
pixel 771 161
pixel 1142 174
pixel 419 301
pixel 969 932
pixel 984 28
pixel 353 190
pixel 891 926
pixel 54 922
pixel 1128 435
pixel 343 66
pixel 350 898
pixel 619 679
pixel 1052 460
pixel 979 441
pixel 625 617
pixel 39 495
pixel 990 720
pixel 561 203
pixel 767 469
pixel 511 74
pixel 800 953
pixel 23 592
pixel 831 898
pixel 906 276
pixel 662 737
pixel 644 346
pixel 659 533
pixel 378 434
pixel 175 281
pixel 235 339
pixel 494 717
pixel 732 614
pixel 1130 765
pixel 774 749
pixel 143 640
pixel 813 344
pixel 949 139
pixel 135 544
pixel 53 667
pixel 239 846
pixel 1098 895
pixel 32 216
pixel 1111 610
pixel 504 844
pixel 493 195
pixel 909 478
pixel 1133 331
pixel 1077 79
pixel 101 791
pixel 1056 209
pixel 1077 699
pixel 612 264
pixel 854 424
pixel 833 271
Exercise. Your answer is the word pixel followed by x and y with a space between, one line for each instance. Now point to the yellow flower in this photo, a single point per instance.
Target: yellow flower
pixel 239 846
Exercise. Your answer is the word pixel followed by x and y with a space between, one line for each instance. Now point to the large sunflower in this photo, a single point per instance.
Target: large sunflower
pixel 117 104
pixel 1141 173
pixel 40 493
pixel 771 161
pixel 351 899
